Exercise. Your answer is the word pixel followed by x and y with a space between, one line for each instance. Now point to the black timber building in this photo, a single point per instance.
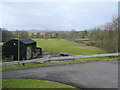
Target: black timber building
pixel 24 48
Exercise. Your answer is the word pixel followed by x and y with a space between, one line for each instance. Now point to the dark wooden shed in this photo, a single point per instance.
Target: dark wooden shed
pixel 27 49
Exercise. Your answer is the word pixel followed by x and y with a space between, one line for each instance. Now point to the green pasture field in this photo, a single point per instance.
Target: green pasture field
pixel 60 45
pixel 30 83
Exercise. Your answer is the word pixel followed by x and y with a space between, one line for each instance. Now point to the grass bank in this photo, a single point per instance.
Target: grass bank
pixel 29 83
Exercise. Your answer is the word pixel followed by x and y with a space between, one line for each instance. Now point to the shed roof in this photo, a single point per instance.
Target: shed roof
pixel 27 41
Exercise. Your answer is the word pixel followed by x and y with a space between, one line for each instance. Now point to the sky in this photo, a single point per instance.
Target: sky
pixel 58 16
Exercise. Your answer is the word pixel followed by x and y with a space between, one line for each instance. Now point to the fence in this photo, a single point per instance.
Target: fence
pixel 59 58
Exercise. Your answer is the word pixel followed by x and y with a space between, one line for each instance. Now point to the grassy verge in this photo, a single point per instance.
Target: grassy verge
pixel 29 83
pixel 27 65
pixel 60 45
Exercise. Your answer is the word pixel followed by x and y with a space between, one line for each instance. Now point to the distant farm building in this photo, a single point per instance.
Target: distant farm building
pixel 27 49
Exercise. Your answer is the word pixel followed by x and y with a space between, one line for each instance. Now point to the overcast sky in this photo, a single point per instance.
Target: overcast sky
pixel 56 15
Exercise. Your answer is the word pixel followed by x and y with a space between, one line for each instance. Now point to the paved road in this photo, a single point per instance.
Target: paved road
pixel 99 74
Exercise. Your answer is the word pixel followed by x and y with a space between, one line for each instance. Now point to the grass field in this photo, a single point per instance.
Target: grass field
pixel 29 83
pixel 60 45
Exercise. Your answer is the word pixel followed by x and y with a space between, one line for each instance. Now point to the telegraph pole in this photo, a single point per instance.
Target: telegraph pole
pixel 18 49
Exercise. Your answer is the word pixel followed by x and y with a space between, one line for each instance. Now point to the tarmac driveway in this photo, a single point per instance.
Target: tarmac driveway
pixel 99 74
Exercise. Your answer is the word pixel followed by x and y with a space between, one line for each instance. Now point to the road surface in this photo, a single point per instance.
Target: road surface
pixel 98 74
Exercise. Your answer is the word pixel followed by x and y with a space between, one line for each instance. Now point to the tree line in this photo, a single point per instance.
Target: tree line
pixel 68 35
pixel 106 36
pixel 7 35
